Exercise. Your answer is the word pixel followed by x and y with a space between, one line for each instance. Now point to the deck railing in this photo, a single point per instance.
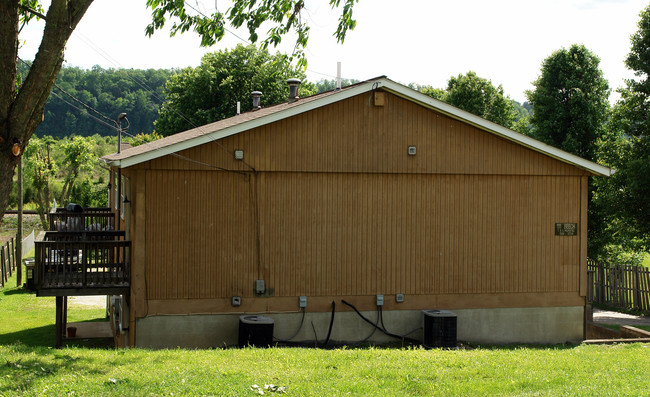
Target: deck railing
pixel 89 219
pixel 73 263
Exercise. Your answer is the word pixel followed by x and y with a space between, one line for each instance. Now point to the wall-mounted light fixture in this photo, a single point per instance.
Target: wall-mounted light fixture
pixel 239 154
pixel 412 150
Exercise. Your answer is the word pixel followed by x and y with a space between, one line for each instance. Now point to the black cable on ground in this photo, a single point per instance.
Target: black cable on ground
pixel 315 336
pixel 402 337
pixel 374 329
pixel 381 312
pixel 370 322
pixel 329 332
pixel 298 330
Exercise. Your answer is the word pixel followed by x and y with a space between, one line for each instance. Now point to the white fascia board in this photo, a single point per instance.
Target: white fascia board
pixel 247 125
pixel 370 85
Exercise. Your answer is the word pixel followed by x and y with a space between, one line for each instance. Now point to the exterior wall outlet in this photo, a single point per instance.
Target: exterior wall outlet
pixel 380 300
pixel 399 298
pixel 260 287
pixel 302 301
pixel 236 301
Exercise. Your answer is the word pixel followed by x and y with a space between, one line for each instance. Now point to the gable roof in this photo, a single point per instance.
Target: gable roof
pixel 246 121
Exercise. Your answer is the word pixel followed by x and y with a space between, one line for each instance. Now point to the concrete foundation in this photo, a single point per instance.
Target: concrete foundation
pixel 544 325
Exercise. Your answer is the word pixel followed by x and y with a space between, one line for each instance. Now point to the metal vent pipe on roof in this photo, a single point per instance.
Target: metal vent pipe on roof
pixel 294 84
pixel 257 97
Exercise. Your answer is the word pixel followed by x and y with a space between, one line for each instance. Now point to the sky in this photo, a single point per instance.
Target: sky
pixel 410 41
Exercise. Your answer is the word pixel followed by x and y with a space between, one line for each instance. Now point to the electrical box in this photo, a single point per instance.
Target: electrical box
pixel 236 301
pixel 260 287
pixel 239 154
pixel 399 298
pixel 412 150
pixel 380 300
pixel 302 301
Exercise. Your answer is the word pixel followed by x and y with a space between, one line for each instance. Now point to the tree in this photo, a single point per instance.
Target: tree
pixel 41 169
pixel 285 16
pixel 142 138
pixel 21 106
pixel 79 157
pixel 570 101
pixel 329 85
pixel 210 92
pixel 570 108
pixel 475 95
pixel 626 148
pixel 478 96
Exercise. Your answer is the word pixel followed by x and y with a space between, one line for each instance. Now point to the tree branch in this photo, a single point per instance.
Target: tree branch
pixel 27 109
pixel 32 11
pixel 8 54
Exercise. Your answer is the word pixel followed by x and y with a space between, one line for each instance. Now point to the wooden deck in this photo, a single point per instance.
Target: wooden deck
pixel 82 254
pixel 82 263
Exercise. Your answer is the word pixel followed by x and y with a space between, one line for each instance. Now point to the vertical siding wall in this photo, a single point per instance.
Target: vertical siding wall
pixel 337 208
pixel 348 234
pixel 200 236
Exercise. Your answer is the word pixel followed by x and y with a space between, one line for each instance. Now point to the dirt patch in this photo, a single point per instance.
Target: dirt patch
pixel 9 225
pixel 98 301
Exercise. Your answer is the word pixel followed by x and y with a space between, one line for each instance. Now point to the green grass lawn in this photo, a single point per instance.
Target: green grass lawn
pixel 29 320
pixel 29 366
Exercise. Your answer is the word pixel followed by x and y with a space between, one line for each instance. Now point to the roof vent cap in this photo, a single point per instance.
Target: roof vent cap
pixel 257 97
pixel 294 84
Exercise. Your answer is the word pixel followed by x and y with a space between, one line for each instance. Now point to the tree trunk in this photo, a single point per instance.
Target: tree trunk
pixel 8 55
pixel 22 110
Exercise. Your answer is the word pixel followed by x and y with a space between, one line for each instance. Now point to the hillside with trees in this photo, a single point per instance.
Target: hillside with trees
pixel 138 93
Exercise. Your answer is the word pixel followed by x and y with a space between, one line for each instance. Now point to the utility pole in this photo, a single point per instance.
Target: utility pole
pixel 120 117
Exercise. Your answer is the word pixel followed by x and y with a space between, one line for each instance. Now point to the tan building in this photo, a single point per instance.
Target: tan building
pixel 374 189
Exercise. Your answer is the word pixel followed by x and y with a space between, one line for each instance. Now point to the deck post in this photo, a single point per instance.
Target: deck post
pixel 64 319
pixel 58 329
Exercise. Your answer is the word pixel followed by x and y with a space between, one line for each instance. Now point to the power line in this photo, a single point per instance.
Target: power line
pixel 224 28
pixel 116 126
pixel 82 111
pixel 107 56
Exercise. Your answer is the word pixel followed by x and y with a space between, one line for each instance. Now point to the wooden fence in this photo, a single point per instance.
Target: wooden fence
pixel 7 261
pixel 622 286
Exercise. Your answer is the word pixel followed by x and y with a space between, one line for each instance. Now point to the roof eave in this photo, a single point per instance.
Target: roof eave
pixel 370 85
pixel 235 129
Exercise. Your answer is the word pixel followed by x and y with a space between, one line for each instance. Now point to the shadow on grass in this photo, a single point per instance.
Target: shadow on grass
pixel 32 337
pixel 16 291
pixel 45 337
pixel 22 374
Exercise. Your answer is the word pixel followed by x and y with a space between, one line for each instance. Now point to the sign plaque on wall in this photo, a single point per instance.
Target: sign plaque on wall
pixel 566 229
